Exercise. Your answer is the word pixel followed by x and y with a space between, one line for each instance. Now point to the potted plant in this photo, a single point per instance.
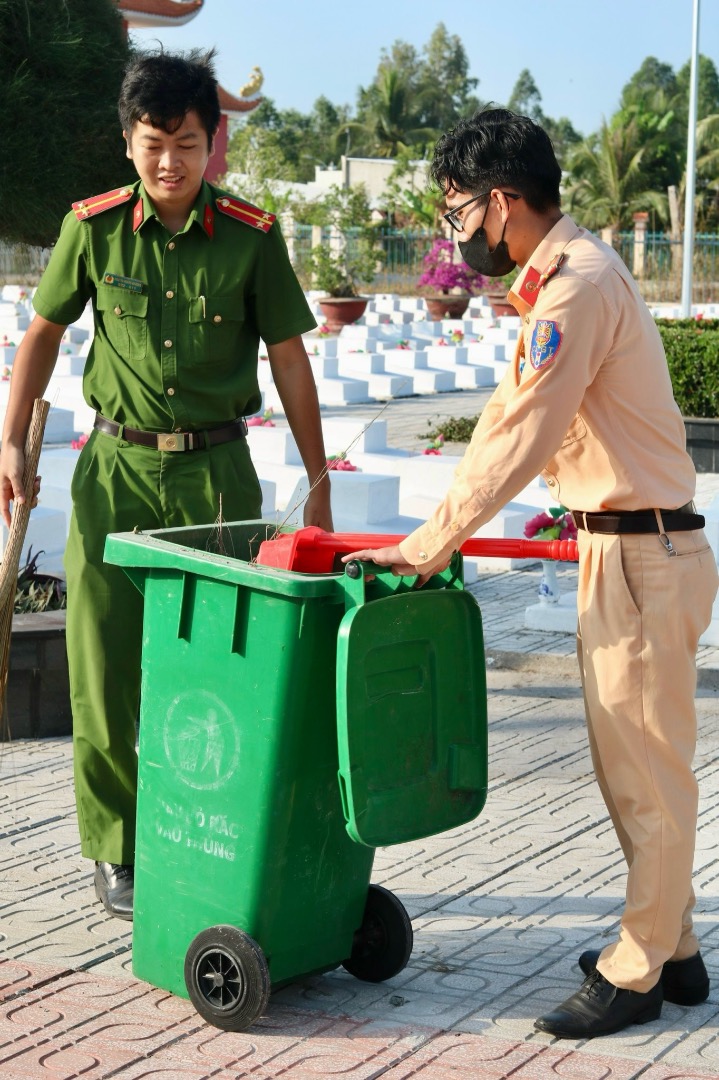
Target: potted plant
pixel 447 284
pixel 37 701
pixel 496 292
pixel 349 260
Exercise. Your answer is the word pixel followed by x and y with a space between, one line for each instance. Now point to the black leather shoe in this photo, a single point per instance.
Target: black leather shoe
pixel 684 982
pixel 599 1008
pixel 115 886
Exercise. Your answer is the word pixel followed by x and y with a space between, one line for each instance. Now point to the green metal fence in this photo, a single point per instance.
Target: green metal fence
pixel 656 262
pixel 658 272
pixel 399 264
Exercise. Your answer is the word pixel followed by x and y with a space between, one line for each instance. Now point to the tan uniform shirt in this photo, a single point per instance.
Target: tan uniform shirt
pixel 588 401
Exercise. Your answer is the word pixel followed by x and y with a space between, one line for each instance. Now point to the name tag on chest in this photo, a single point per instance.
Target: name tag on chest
pixel 120 282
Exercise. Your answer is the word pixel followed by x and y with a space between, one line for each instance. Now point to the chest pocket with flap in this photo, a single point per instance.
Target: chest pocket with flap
pixel 215 326
pixel 124 316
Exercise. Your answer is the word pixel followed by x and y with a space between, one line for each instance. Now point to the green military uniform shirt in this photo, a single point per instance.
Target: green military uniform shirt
pixel 178 319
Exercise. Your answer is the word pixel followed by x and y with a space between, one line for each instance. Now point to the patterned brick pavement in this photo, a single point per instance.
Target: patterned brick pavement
pixel 500 909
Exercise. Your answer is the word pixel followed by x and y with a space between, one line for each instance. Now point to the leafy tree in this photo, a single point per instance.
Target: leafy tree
pixel 649 101
pixel 257 168
pixel 651 77
pixel 409 201
pixel 303 140
pixel 61 65
pixel 606 184
pixel 414 98
pixel 527 100
pixel 445 86
pixel 564 137
pixel 291 131
pixel 707 88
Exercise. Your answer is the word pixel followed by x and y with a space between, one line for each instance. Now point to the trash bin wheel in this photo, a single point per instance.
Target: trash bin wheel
pixel 227 977
pixel 383 944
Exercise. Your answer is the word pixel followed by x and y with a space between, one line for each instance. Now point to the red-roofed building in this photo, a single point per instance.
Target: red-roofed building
pixel 141 14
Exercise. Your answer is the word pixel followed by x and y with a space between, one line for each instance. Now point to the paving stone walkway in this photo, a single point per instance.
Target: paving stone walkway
pixel 501 908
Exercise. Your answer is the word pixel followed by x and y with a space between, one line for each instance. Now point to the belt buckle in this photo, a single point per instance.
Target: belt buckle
pixel 173 442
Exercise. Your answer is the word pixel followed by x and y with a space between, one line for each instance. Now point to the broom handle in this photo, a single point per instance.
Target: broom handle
pixel 21 511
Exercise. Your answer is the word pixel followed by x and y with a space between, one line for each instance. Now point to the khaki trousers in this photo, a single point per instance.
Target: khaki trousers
pixel 641 613
pixel 117 487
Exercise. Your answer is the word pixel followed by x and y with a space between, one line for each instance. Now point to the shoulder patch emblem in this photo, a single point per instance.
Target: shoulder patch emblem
pixel 87 208
pixel 242 211
pixel 546 343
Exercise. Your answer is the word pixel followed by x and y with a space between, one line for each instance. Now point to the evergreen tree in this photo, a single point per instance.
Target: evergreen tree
pixel 61 65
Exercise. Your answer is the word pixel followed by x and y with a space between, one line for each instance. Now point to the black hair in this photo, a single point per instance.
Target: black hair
pixel 496 148
pixel 161 88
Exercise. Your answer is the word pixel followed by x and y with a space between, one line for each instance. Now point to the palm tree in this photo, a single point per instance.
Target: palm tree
pixel 606 183
pixel 389 123
pixel 707 191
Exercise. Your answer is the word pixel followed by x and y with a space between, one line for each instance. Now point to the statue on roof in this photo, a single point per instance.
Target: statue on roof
pixel 253 84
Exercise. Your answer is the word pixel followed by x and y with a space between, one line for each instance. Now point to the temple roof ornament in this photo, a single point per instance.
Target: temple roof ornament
pixel 142 13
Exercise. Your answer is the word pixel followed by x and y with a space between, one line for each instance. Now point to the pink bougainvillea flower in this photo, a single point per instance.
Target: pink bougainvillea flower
pixel 537 523
pixel 339 463
pixel 77 444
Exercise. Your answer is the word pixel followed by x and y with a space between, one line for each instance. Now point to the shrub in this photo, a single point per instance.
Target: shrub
pixel 454 429
pixel 692 348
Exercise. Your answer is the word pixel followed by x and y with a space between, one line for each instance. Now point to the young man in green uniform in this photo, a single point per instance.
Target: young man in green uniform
pixel 184 281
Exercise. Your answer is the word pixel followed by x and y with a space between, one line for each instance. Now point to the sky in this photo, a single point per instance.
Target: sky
pixel 580 52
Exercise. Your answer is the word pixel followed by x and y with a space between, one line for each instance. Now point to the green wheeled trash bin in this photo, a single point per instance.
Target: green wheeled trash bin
pixel 290 724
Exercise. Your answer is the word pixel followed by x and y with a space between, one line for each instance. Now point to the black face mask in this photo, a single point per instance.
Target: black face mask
pixel 477 255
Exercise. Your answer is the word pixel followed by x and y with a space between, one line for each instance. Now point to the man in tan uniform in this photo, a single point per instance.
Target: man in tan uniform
pixel 588 400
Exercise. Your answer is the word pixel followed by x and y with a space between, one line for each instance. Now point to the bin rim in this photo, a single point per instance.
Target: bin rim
pixel 148 551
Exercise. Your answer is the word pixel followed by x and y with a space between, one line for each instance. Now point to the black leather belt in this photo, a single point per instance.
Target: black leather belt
pixel 175 441
pixel 639 521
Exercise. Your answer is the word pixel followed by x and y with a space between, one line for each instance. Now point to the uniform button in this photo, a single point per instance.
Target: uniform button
pixel 118 310
pixel 170 391
pixel 169 294
pixel 550 483
pixel 168 344
pixel 171 245
pixel 526 318
pixel 217 318
pixel 423 555
pixel 455 526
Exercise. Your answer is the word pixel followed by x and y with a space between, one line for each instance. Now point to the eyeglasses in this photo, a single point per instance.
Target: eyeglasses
pixel 457 224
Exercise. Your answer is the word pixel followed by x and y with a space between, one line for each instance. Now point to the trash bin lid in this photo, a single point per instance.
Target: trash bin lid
pixel 411 715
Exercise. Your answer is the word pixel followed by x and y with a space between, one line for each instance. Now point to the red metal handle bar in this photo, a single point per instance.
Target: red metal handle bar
pixel 311 550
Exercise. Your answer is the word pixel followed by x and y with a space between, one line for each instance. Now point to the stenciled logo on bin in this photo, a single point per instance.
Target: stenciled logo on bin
pixel 202 743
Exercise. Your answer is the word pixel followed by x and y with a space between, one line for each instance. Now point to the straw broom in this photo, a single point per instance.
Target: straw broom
pixel 16 538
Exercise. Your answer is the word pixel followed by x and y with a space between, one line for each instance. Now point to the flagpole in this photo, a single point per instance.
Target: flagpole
pixel 691 171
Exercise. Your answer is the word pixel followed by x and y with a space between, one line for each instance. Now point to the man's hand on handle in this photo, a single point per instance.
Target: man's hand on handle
pixel 392 557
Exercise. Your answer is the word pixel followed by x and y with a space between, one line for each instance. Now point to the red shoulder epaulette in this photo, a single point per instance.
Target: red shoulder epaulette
pixel 89 207
pixel 242 211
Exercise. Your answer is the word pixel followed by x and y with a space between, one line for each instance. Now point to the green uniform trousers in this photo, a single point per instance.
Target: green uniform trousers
pixel 117 487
